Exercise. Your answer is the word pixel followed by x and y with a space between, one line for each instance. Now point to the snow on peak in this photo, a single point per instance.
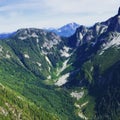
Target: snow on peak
pixel 66 30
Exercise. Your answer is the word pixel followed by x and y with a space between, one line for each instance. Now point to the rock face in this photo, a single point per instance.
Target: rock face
pixel 114 23
pixel 96 61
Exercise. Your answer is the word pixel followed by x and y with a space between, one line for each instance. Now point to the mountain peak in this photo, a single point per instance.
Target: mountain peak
pixel 66 30
pixel 119 11
pixel 72 25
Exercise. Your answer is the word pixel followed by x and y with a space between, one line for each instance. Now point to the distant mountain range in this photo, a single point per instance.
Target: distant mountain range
pixel 66 30
pixel 72 73
pixel 6 35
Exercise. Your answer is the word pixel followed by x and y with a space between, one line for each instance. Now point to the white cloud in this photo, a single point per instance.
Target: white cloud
pixel 39 13
pixel 82 6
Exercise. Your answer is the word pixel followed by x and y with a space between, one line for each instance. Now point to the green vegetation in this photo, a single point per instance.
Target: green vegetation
pixel 30 65
pixel 14 106
pixel 19 79
pixel 21 74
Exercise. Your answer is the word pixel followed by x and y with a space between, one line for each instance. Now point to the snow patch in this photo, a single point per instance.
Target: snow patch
pixel 114 42
pixel 26 56
pixel 48 60
pixel 63 67
pixel 64 53
pixel 80 113
pixel 101 52
pixel 77 95
pixel 80 36
pixel 7 56
pixel 84 104
pixel 49 77
pixel 66 48
pixel 118 16
pixel 22 38
pixel 80 106
pixel 103 29
pixel 91 69
pixel 97 28
pixel 37 40
pixel 62 80
pixel 34 35
pixel 39 64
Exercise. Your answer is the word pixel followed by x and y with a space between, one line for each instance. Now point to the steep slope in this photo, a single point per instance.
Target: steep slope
pixel 38 50
pixel 95 68
pixel 94 41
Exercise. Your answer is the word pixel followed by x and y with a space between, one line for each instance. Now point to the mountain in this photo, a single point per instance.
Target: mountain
pixel 5 35
pixel 46 76
pixel 30 61
pixel 66 30
pixel 95 68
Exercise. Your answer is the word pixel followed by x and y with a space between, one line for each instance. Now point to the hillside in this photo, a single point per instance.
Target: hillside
pixel 28 67
pixel 13 106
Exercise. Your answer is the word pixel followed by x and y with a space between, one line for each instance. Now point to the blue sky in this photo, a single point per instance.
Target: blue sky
pixel 15 14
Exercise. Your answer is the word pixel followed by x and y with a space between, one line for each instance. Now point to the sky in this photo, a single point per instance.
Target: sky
pixel 16 14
